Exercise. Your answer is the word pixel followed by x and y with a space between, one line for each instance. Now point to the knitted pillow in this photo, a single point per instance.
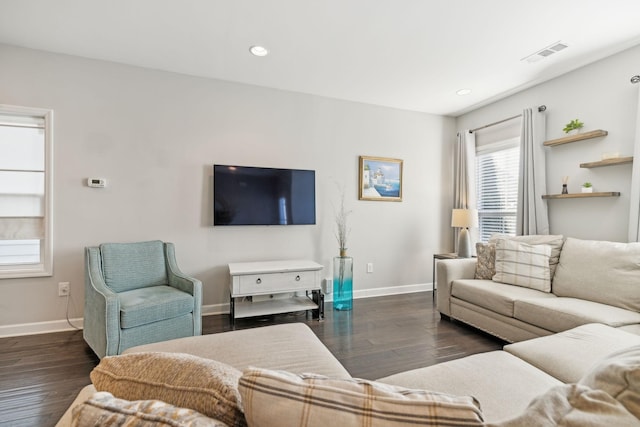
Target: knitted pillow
pixel 486 263
pixel 183 380
pixel 282 399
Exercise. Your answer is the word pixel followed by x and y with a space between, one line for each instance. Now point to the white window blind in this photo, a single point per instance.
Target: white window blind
pixel 25 196
pixel 497 166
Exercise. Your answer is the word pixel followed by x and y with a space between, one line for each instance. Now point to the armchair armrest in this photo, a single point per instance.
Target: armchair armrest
pixel 449 270
pixel 101 329
pixel 190 285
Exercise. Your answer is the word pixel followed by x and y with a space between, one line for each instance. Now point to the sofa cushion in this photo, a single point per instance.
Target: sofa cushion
pixel 183 380
pixel 106 410
pixel 555 241
pixel 493 378
pixel 605 272
pixel 279 398
pixel 573 405
pixel 292 347
pixel 569 355
pixel 634 329
pixel 486 261
pixel 619 376
pixel 152 304
pixel 522 264
pixel 560 314
pixel 127 266
pixel 497 297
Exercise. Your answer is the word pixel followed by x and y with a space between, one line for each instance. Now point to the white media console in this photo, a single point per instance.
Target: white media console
pixel 274 278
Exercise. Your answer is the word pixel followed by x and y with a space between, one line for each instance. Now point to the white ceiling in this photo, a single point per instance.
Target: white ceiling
pixel 408 54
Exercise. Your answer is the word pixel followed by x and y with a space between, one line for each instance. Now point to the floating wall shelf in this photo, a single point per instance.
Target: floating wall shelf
pixel 582 195
pixel 577 137
pixel 608 162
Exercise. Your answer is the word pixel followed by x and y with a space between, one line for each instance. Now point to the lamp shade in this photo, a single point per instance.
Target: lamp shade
pixel 464 218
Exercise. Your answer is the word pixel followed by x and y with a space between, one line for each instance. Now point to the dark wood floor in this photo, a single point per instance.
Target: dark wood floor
pixel 40 375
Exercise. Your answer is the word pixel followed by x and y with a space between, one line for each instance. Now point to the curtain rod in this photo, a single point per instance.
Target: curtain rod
pixel 540 109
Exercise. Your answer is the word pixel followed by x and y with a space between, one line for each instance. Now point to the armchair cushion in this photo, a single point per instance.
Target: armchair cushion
pixel 129 266
pixel 148 305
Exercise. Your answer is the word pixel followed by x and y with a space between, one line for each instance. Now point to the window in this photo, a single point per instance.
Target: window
pixel 497 166
pixel 25 192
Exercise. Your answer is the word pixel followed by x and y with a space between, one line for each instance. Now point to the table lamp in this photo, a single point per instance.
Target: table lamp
pixel 464 218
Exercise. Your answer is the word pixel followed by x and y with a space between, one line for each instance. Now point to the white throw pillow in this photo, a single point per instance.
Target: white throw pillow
pixel 524 265
pixel 572 405
pixel 282 399
pixel 105 410
pixel 619 376
pixel 556 241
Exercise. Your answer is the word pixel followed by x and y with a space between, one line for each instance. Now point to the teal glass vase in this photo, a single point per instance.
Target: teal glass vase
pixel 342 283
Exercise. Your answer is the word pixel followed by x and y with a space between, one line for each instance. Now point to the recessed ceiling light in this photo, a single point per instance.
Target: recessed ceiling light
pixel 463 92
pixel 258 50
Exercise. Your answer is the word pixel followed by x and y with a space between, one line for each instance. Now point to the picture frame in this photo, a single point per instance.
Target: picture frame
pixel 380 179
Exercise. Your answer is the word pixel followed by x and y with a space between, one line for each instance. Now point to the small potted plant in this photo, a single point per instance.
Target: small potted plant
pixel 573 126
pixel 587 187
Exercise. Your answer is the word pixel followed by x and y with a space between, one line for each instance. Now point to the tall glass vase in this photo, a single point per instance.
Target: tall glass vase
pixel 343 283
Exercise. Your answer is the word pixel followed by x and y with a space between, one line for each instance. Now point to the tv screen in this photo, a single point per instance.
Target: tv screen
pixel 263 196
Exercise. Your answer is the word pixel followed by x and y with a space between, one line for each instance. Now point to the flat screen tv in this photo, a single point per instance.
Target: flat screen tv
pixel 263 196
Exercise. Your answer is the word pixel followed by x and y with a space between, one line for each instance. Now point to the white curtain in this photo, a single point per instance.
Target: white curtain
pixel 532 217
pixel 634 213
pixel 464 186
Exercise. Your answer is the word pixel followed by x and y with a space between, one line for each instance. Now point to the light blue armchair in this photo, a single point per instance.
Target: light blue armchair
pixel 135 294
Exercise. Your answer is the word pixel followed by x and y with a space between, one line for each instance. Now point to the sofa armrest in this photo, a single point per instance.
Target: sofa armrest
pixel 449 270
pixel 82 397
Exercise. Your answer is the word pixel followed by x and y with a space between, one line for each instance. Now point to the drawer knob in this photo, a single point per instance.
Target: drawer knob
pixel 258 280
pixel 297 278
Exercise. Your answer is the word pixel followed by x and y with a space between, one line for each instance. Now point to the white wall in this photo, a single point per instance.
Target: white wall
pixel 602 96
pixel 154 137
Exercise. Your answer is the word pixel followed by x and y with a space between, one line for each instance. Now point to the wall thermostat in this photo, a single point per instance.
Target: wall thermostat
pixel 96 182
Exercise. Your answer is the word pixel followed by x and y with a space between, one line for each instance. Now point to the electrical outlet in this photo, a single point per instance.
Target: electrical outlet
pixel 369 267
pixel 63 289
pixel 328 286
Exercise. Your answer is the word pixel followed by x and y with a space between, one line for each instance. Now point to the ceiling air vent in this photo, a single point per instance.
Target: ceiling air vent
pixel 546 52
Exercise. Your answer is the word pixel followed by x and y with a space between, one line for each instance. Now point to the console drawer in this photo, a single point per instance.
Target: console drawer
pixel 274 282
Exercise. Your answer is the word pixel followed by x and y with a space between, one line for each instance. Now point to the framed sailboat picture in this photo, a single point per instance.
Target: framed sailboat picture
pixel 380 179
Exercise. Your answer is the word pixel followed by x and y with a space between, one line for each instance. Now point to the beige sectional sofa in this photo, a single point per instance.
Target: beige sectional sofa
pixel 588 282
pixel 569 377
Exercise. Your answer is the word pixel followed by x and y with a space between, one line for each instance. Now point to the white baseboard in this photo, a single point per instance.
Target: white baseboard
pixel 390 290
pixel 207 310
pixel 40 328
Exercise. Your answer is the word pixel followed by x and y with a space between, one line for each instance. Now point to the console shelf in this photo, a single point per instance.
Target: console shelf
pixel 276 306
pixel 582 195
pixel 608 162
pixel 577 137
pixel 272 287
